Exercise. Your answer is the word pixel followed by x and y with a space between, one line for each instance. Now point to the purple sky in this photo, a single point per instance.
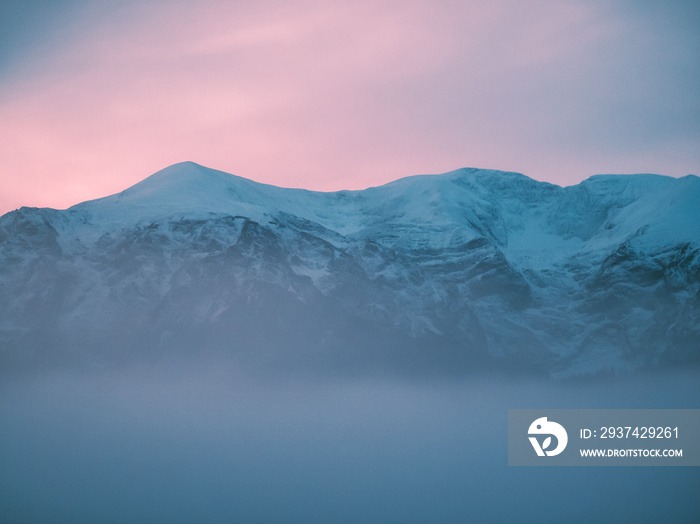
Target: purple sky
pixel 96 95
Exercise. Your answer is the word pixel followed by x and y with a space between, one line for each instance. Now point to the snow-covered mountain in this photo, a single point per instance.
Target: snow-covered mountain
pixel 433 273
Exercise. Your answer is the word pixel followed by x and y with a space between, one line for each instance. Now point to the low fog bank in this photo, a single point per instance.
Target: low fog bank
pixel 205 442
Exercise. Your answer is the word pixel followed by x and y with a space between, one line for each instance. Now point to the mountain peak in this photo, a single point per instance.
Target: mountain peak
pixel 184 188
pixel 187 177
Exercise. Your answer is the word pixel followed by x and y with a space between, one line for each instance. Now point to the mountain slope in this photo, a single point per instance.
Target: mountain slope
pixel 435 272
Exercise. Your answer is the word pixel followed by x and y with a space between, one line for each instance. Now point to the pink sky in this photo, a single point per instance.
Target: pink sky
pixel 342 94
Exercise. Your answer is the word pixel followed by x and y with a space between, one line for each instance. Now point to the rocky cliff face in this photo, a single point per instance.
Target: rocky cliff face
pixel 444 273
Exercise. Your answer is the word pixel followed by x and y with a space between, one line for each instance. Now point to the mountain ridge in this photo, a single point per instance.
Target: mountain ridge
pixel 482 265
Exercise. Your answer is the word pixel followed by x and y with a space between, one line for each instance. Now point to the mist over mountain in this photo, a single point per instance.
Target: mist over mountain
pixel 473 269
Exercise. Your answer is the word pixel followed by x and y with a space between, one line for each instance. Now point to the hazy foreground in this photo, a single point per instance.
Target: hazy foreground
pixel 205 444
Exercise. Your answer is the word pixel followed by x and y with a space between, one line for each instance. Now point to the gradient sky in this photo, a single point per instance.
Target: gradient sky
pixel 96 95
